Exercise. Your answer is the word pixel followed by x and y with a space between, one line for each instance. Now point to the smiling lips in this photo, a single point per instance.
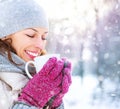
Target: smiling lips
pixel 32 54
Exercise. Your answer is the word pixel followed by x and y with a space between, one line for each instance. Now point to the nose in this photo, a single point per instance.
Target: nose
pixel 39 43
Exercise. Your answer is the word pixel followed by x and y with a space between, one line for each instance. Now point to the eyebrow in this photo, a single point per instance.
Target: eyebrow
pixel 36 30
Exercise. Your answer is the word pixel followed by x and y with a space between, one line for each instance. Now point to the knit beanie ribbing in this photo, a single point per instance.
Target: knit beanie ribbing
pixel 16 15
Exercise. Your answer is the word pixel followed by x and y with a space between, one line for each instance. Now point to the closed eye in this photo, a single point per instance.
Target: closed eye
pixel 31 36
pixel 44 38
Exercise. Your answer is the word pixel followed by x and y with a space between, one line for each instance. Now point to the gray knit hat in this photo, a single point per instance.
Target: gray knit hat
pixel 16 15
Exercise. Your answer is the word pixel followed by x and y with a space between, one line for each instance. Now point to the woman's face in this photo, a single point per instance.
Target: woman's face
pixel 29 43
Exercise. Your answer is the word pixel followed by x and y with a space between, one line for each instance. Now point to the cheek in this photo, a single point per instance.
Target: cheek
pixel 18 49
pixel 18 46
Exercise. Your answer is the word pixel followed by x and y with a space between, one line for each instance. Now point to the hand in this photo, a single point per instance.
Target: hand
pixel 44 84
pixel 66 82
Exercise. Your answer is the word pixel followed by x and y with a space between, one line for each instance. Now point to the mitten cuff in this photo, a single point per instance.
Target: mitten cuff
pixel 21 105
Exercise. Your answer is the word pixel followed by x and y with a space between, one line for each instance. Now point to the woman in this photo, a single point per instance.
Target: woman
pixel 23 34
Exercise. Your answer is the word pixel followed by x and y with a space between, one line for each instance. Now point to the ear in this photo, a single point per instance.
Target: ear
pixel 5 37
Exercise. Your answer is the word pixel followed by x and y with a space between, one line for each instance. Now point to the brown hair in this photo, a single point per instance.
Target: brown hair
pixel 6 48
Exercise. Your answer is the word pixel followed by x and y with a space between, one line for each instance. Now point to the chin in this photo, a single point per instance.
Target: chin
pixel 26 60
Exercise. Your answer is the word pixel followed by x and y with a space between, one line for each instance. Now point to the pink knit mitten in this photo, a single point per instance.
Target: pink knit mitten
pixel 45 84
pixel 66 82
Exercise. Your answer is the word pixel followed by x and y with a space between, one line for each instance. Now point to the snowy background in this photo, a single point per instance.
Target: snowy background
pixel 88 33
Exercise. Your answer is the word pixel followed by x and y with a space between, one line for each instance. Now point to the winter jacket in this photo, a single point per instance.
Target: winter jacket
pixel 12 80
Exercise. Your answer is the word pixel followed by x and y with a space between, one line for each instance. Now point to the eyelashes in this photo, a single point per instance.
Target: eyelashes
pixel 44 38
pixel 32 36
